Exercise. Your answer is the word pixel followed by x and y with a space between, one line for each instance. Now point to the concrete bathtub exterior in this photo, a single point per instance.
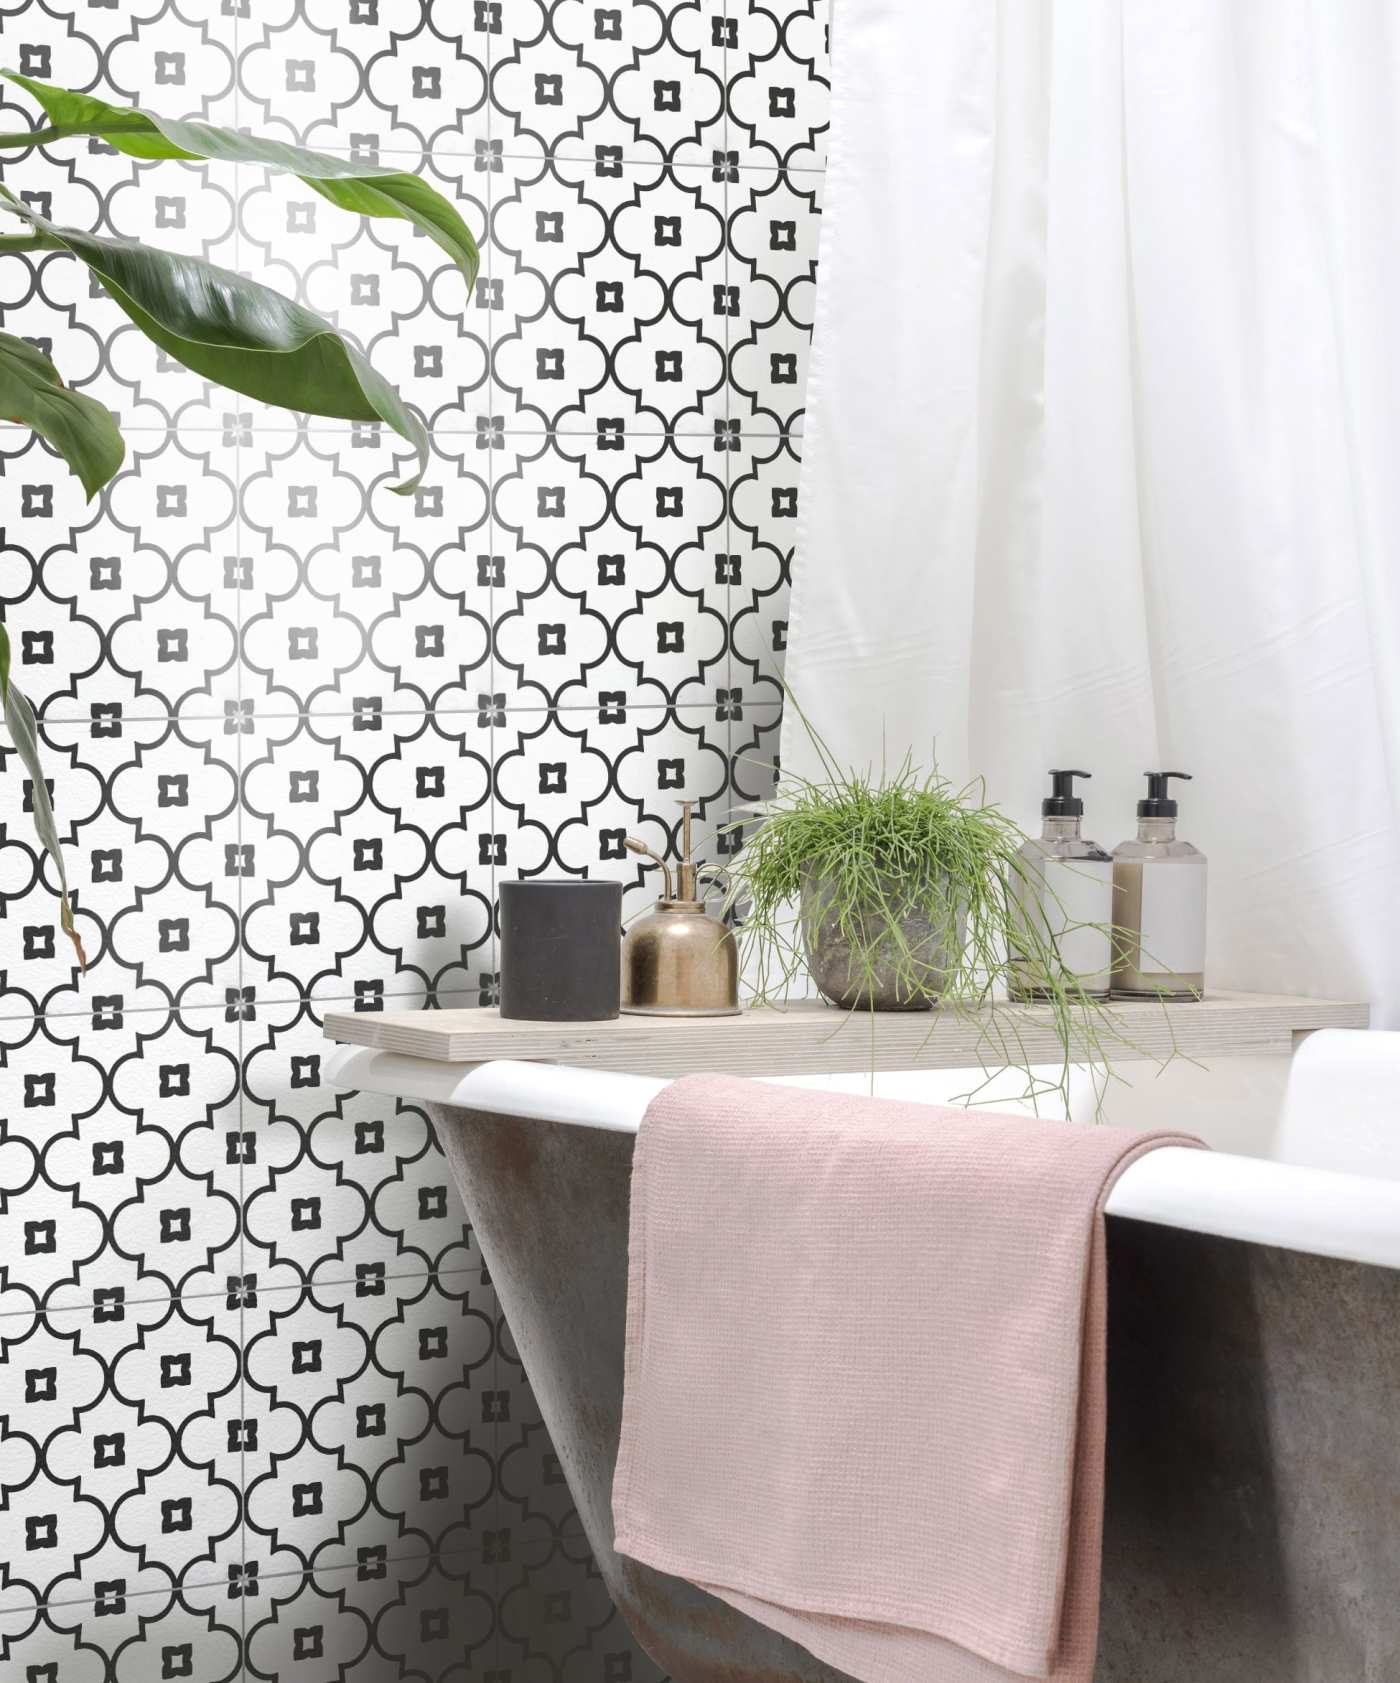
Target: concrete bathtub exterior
pixel 1253 1506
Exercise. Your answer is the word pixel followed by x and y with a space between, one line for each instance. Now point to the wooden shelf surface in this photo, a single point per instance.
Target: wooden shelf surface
pixel 812 1038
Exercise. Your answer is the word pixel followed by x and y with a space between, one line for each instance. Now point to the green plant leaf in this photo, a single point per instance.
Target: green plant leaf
pixel 4 661
pixel 19 720
pixel 237 331
pixel 82 430
pixel 367 189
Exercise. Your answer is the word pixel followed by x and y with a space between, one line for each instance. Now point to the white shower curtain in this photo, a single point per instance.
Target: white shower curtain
pixel 1102 460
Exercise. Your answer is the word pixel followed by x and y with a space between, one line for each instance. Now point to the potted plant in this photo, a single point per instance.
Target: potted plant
pixel 214 322
pixel 900 892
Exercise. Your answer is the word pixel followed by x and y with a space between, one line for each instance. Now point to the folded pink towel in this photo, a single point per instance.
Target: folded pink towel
pixel 865 1374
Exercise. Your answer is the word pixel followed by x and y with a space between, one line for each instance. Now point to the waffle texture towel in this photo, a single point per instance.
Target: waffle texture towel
pixel 866 1371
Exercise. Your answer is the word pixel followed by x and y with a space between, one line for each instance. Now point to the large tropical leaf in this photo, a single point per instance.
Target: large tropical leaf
pixel 19 720
pixel 238 332
pixel 369 189
pixel 82 430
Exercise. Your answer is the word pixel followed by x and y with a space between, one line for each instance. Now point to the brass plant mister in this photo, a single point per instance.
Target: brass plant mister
pixel 680 960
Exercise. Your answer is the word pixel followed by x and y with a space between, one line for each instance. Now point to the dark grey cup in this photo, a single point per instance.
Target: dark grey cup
pixel 561 950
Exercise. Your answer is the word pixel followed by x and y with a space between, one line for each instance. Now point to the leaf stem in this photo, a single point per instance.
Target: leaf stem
pixel 36 137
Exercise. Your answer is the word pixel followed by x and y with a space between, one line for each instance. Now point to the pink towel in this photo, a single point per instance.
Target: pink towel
pixel 865 1374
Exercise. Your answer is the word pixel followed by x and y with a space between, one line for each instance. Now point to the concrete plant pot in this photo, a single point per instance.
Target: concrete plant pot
pixel 858 968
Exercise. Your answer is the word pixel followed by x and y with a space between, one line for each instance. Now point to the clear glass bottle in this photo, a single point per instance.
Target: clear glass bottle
pixel 1159 904
pixel 1067 889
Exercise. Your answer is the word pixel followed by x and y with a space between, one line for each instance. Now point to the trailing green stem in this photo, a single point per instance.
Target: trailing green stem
pixel 909 843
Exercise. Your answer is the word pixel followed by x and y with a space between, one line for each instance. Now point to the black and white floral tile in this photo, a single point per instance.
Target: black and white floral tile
pixel 259 1415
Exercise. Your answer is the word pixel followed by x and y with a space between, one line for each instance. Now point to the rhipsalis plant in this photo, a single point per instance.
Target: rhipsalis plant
pixel 902 849
pixel 220 325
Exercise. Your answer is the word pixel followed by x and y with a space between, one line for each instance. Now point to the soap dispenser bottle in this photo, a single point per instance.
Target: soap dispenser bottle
pixel 1067 890
pixel 1159 904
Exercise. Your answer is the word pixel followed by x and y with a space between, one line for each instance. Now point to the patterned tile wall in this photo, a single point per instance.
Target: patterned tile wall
pixel 259 1417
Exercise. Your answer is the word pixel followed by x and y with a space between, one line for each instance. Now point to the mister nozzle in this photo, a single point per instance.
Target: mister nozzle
pixel 1062 802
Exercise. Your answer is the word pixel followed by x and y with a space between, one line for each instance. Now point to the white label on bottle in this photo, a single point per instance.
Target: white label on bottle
pixel 1079 892
pixel 1173 917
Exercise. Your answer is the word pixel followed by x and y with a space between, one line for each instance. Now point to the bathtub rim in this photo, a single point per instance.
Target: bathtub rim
pixel 1324 1212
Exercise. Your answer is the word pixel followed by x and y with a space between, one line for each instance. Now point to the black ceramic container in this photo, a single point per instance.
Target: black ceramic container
pixel 561 950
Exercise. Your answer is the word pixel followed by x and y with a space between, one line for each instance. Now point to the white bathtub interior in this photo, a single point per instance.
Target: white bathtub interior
pixel 1334 1105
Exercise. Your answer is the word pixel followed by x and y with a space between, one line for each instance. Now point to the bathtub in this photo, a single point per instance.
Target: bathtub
pixel 1252 1530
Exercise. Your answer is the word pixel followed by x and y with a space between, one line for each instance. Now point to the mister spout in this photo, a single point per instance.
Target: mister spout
pixel 634 846
pixel 686 883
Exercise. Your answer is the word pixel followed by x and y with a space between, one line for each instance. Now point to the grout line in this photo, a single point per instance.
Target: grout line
pixel 492 960
pixel 451 428
pixel 47 720
pixel 45 1312
pixel 729 12
pixel 240 838
pixel 178 1590
pixel 447 428
pixel 760 157
pixel 317 1003
pixel 551 156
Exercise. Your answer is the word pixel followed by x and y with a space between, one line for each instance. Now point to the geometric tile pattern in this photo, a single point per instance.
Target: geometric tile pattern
pixel 259 1415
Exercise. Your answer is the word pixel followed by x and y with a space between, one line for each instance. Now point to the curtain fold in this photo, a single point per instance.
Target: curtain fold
pixel 1101 454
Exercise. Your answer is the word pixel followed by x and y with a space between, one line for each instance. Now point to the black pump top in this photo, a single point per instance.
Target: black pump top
pixel 1063 803
pixel 1159 803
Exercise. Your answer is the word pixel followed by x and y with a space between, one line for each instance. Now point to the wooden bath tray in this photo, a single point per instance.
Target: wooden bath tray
pixel 814 1039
